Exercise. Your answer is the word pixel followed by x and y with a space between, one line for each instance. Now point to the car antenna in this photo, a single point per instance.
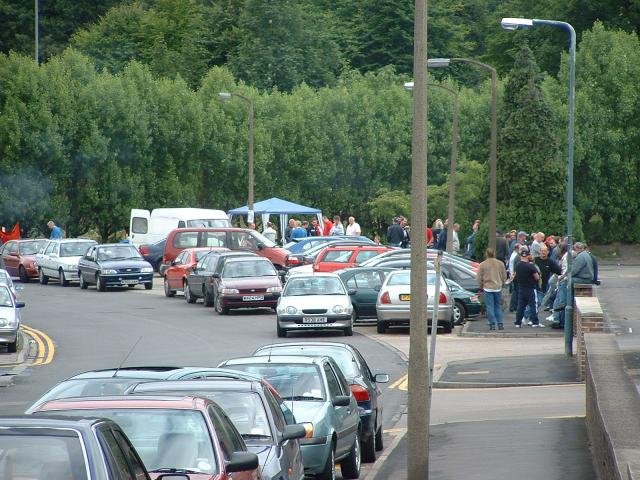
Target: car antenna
pixel 126 357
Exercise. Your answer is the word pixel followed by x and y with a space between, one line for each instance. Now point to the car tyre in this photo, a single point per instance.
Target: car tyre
pixel 42 277
pixel 147 286
pixel 282 333
pixel 100 285
pixel 381 327
pixel 12 347
pixel 350 466
pixel 207 298
pixel 83 284
pixel 447 327
pixel 329 470
pixel 167 291
pixel 62 279
pixel 369 450
pixel 348 332
pixel 379 439
pixel 459 313
pixel 220 310
pixel 22 273
pixel 188 297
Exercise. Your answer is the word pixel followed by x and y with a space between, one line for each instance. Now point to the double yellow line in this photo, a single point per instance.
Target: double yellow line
pixel 401 384
pixel 46 349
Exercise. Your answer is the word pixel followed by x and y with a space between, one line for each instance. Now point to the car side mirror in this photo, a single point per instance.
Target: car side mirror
pixel 14 254
pixel 53 255
pixel 352 291
pixel 377 288
pixel 261 245
pixel 341 401
pixel 293 431
pixel 215 275
pixel 173 262
pixel 381 378
pixel 241 462
pixel 20 304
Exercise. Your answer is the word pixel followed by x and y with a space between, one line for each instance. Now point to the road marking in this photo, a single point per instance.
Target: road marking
pixel 394 430
pixel 476 372
pixel 564 416
pixel 399 381
pixel 45 353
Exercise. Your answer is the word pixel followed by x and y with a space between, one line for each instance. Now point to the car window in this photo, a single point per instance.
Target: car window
pixel 214 239
pixel 180 258
pixel 276 409
pixel 461 273
pixel 367 280
pixel 139 225
pixel 6 298
pixel 404 278
pixel 77 249
pixel 332 381
pixel 246 411
pixel 342 356
pixel 12 247
pixel 185 240
pixel 134 461
pixel 51 248
pixel 341 379
pixel 365 255
pixel 117 252
pixel 229 438
pixel 200 254
pixel 208 223
pixel 211 262
pixel 337 256
pixel 116 459
pixel 364 367
pixel 243 269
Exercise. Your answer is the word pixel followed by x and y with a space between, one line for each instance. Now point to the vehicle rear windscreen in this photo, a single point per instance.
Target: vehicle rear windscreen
pixel 31 248
pixel 74 249
pixel 208 223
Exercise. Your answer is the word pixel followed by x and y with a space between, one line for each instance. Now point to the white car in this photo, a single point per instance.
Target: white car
pixel 315 301
pixel 59 259
pixel 9 318
pixel 5 279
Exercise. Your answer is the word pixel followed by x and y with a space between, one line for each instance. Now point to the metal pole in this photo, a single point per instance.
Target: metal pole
pixel 418 431
pixel 434 324
pixel 452 174
pixel 37 38
pixel 493 161
pixel 251 167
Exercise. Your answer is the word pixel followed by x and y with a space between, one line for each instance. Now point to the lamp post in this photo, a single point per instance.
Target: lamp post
pixel 514 24
pixel 224 96
pixel 37 28
pixel 454 157
pixel 445 62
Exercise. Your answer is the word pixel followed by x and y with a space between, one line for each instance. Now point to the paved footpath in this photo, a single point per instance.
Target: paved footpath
pixel 532 429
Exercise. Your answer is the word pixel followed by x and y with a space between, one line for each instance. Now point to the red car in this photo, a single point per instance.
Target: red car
pixel 231 238
pixel 336 258
pixel 171 434
pixel 176 275
pixel 18 257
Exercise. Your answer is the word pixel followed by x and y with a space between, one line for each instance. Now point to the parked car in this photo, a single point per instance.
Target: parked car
pixel 5 279
pixel 466 304
pixel 200 281
pixel 366 282
pixel 114 265
pixel 18 257
pixel 301 245
pixel 59 259
pixel 116 381
pixel 257 414
pixel 338 257
pixel 394 300
pixel 9 318
pixel 74 448
pixel 316 391
pixel 152 253
pixel 243 239
pixel 171 434
pixel 308 257
pixel 245 282
pixel 175 276
pixel 316 301
pixel 363 385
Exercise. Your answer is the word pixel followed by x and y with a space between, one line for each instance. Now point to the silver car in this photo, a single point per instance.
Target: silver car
pixel 9 318
pixel 394 301
pixel 59 259
pixel 315 301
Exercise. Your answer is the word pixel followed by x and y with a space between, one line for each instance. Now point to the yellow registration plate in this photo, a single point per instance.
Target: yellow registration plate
pixel 405 298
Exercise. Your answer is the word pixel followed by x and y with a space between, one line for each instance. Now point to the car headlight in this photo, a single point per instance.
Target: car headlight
pixel 108 271
pixel 7 322
pixel 274 289
pixel 227 291
pixel 474 299
pixel 291 310
pixel 69 267
pixel 146 270
pixel 338 309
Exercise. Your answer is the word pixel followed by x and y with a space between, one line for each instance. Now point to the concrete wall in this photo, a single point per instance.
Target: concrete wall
pixel 588 318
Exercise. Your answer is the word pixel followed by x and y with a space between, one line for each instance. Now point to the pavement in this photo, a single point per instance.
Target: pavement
pixel 480 328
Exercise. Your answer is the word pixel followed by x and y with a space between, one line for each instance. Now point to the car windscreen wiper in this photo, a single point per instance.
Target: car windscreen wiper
pixel 302 397
pixel 174 470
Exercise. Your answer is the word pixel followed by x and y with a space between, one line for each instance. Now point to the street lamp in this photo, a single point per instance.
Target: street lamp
pixel 444 63
pixel 224 96
pixel 514 24
pixel 454 157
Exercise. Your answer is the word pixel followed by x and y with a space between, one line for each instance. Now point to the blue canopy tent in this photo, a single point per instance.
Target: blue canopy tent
pixel 277 206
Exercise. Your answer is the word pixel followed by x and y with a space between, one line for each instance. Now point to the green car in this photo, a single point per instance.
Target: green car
pixel 466 304
pixel 366 281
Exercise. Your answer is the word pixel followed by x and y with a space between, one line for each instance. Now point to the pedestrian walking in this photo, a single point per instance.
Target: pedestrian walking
pixel 528 277
pixel 56 231
pixel 353 229
pixel 491 277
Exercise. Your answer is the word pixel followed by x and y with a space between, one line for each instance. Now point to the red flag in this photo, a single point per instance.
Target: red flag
pixel 14 234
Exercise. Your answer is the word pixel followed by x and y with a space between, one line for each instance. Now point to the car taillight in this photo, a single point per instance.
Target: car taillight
pixel 144 250
pixel 443 298
pixel 360 392
pixel 385 298
pixel 291 261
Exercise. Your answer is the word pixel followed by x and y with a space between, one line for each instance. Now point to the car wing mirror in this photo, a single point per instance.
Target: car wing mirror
pixel 341 401
pixel 241 462
pixel 53 255
pixel 261 246
pixel 20 304
pixel 381 378
pixel 215 275
pixel 294 431
pixel 377 288
pixel 352 291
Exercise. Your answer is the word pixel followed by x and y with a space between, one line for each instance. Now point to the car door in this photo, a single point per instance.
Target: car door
pixel 290 456
pixel 367 285
pixel 10 258
pixel 228 438
pixel 50 258
pixel 195 276
pixel 341 415
pixel 119 455
pixel 86 265
pixel 174 274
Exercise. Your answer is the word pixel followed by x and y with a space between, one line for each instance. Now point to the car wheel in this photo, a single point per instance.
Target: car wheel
pixel 83 284
pixel 22 273
pixel 207 298
pixel 187 293
pixel 348 332
pixel 282 333
pixel 220 310
pixel 100 285
pixel 167 291
pixel 62 279
pixel 148 285
pixel 447 327
pixel 369 450
pixel 459 313
pixel 12 347
pixel 381 327
pixel 329 470
pixel 379 440
pixel 350 466
pixel 42 277
pixel 156 267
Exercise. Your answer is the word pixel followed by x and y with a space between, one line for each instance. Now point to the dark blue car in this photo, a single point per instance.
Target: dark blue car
pixel 114 265
pixel 153 252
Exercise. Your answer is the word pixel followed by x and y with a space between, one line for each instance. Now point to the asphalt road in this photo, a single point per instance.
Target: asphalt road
pixel 94 330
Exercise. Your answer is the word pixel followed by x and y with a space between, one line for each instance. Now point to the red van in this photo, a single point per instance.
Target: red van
pixel 231 238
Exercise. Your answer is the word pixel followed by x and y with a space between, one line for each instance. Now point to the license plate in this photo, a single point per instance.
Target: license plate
pixel 405 298
pixel 314 319
pixel 129 282
pixel 252 298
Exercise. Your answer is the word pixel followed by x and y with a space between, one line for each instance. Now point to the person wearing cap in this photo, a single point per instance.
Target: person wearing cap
pixel 522 237
pixel 528 277
pixel 491 278
pixel 582 272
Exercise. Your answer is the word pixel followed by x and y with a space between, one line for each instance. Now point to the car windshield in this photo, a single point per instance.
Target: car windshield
pixel 246 411
pixel 31 248
pixel 201 254
pixel 248 269
pixel 74 249
pixel 208 223
pixel 164 438
pixel 293 381
pixel 117 252
pixel 404 278
pixel 6 299
pixel 89 387
pixel 298 286
pixel 343 357
pixel 52 454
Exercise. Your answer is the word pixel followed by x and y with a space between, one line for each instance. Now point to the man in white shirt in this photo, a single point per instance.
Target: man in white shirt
pixel 353 228
pixel 270 232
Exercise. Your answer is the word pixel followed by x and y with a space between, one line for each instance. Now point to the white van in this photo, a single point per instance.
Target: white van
pixel 150 227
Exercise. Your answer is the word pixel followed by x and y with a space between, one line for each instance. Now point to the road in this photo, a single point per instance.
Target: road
pixel 92 330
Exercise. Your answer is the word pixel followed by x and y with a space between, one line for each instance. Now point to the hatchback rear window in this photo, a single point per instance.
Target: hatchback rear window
pixel 185 240
pixel 74 249
pixel 404 278
pixel 337 256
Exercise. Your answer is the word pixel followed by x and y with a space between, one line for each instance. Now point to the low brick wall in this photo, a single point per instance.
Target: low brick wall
pixel 588 318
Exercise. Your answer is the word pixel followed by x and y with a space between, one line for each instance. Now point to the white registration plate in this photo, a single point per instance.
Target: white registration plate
pixel 314 319
pixel 252 298
pixel 129 282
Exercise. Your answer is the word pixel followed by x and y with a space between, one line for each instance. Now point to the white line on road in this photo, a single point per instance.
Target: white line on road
pixel 477 372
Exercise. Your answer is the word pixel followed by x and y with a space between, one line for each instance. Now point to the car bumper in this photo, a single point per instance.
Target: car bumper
pixel 71 275
pixel 236 301
pixel 295 322
pixel 399 315
pixel 123 279
pixel 31 270
pixel 314 457
pixel 8 336
pixel 473 309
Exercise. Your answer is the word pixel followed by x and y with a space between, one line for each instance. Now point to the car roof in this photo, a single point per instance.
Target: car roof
pixel 355 247
pixel 48 421
pixel 206 249
pixel 72 240
pixel 317 274
pixel 276 359
pixel 248 258
pixel 186 402
pixel 235 253
pixel 160 372
pixel 115 245
pixel 350 271
pixel 209 229
pixel 212 385
pixel 307 343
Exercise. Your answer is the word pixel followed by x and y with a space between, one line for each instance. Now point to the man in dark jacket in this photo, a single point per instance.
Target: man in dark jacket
pixel 502 247
pixel 395 233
